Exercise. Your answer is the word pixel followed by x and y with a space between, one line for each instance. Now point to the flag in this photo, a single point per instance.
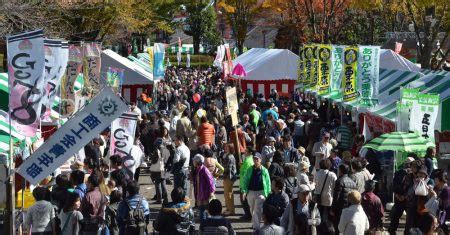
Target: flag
pixel 179 57
pixel 398 47
pixel 228 58
pixel 425 112
pixel 337 58
pixel 115 78
pixel 349 82
pixel 315 67
pixel 219 56
pixel 26 63
pixel 179 45
pixel 188 60
pixel 150 58
pixel 308 56
pixel 368 74
pixel 325 67
pixel 366 131
pixel 301 66
pixel 158 56
pixel 92 64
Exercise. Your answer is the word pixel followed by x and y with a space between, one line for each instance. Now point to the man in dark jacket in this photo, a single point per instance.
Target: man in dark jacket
pixel 176 217
pixel 402 182
pixel 344 184
pixel 278 198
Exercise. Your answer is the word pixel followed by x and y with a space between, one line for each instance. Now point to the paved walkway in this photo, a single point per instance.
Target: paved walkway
pixel 239 225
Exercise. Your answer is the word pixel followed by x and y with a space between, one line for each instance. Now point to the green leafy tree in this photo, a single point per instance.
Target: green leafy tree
pixel 201 23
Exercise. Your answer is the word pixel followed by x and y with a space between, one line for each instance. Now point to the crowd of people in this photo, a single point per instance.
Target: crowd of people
pixel 297 172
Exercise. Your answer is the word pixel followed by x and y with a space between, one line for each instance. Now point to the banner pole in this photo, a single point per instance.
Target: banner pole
pixel 10 196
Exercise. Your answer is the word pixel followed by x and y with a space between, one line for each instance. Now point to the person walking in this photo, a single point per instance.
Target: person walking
pixel 70 216
pixel 176 217
pixel 322 150
pixel 269 217
pixel 216 223
pixel 229 176
pixel 246 164
pixel 180 168
pixel 40 216
pixel 323 194
pixel 277 198
pixel 353 219
pixel 204 186
pixel 302 215
pixel 343 186
pixel 372 206
pixel 256 186
pixel 133 201
pixel 157 170
pixel 93 207
pixel 205 132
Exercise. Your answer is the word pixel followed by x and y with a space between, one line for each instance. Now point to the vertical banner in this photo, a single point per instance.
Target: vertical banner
pixel 408 97
pixel 337 58
pixel 158 58
pixel 188 60
pixel 425 114
pixel 368 74
pixel 398 47
pixel 52 52
pixel 114 78
pixel 325 67
pixel 229 61
pixel 57 72
pixel 179 58
pixel 122 134
pixel 315 67
pixel 26 62
pixel 349 84
pixel 150 58
pixel 73 68
pixel 301 66
pixel 232 104
pixel 308 57
pixel 92 64
pixel 73 136
pixel 219 56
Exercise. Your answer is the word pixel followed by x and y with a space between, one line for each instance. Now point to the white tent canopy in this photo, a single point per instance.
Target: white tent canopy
pixel 269 64
pixel 393 61
pixel 133 74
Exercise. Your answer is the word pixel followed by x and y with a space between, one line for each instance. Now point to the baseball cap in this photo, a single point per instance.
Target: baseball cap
pixel 303 188
pixel 257 155
pixel 270 139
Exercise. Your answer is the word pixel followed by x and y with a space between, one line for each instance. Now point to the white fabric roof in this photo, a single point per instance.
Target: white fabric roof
pixel 133 74
pixel 393 61
pixel 269 64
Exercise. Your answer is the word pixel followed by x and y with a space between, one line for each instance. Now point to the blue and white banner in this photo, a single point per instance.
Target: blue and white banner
pixel 73 136
pixel 158 64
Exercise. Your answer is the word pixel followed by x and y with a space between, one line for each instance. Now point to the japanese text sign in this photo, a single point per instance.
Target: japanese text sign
pixel 325 66
pixel 425 112
pixel 73 136
pixel 368 74
pixel 350 69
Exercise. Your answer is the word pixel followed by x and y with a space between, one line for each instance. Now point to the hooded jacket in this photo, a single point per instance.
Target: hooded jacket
pixel 175 218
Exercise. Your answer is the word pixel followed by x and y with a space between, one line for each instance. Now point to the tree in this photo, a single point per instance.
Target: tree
pixel 429 18
pixel 200 21
pixel 240 14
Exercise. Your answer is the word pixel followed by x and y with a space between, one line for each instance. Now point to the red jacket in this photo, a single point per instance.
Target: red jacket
pixel 206 134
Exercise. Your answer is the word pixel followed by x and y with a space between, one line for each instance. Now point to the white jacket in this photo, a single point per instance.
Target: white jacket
pixel 353 221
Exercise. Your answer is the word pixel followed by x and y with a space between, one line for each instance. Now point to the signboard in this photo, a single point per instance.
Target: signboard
pixel 26 62
pixel 349 84
pixel 325 66
pixel 368 74
pixel 158 64
pixel 92 64
pixel 122 134
pixel 73 136
pixel 425 113
pixel 315 67
pixel 301 66
pixel 232 105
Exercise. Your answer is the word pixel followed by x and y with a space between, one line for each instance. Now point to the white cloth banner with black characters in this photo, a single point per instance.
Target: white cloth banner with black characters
pixel 122 134
pixel 26 64
pixel 424 114
pixel 73 135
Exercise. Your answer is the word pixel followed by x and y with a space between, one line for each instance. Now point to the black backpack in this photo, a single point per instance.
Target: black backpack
pixel 135 223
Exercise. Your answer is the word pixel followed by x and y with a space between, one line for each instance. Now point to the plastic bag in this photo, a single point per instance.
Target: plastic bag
pixel 421 189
